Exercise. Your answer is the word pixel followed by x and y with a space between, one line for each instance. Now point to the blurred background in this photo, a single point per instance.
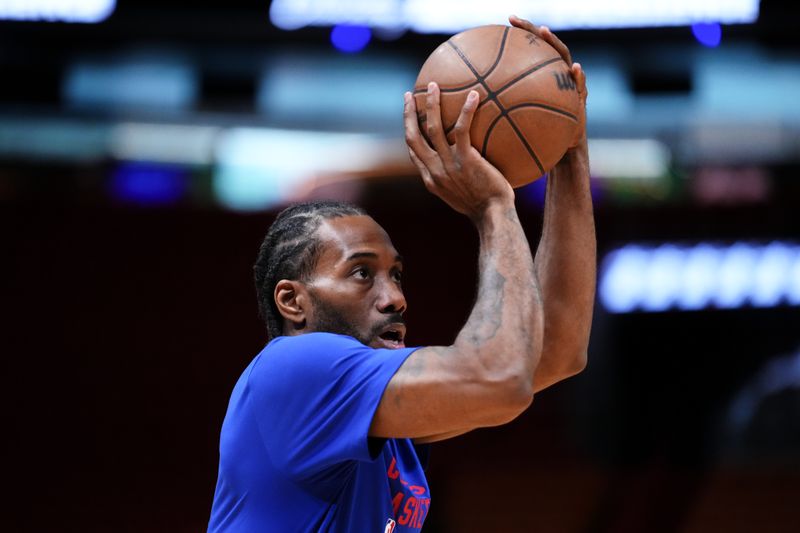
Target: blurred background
pixel 145 147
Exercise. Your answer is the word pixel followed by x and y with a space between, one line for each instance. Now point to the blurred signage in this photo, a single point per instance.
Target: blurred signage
pixel 449 16
pixel 704 275
pixel 86 11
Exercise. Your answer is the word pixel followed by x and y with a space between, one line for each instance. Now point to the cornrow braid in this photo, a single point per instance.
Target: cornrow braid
pixel 290 251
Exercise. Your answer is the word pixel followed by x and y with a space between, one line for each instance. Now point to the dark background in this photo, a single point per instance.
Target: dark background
pixel 125 326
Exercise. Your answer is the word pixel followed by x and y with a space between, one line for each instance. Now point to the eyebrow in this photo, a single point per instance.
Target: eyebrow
pixel 371 255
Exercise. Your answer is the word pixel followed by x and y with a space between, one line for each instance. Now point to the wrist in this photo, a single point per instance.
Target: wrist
pixel 493 209
pixel 574 164
pixel 577 153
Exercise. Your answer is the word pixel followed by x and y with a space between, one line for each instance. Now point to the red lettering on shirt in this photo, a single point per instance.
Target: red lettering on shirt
pixel 415 514
pixel 416 489
pixel 396 501
pixel 423 506
pixel 409 508
pixel 411 503
pixel 393 472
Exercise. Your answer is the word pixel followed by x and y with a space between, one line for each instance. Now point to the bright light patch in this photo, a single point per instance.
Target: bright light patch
pixel 735 276
pixel 660 279
pixel 86 11
pixel 628 158
pixel 622 282
pixel 686 278
pixel 700 271
pixel 707 33
pixel 165 143
pixel 350 39
pixel 450 16
pixel 793 288
pixel 772 275
pixel 258 168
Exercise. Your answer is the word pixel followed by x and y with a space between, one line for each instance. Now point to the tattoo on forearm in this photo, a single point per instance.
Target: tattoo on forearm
pixel 488 312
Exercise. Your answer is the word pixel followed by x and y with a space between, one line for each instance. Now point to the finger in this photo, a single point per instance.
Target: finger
pixel 580 80
pixel 464 122
pixel 424 173
pixel 434 123
pixel 414 138
pixel 523 24
pixel 545 34
pixel 551 39
pixel 427 160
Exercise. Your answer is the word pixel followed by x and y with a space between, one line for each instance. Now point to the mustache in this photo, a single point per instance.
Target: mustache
pixel 394 318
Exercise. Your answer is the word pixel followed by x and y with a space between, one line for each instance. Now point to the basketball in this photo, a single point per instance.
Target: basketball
pixel 527 115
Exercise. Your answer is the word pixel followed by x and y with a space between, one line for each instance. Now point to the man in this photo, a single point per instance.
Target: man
pixel 327 428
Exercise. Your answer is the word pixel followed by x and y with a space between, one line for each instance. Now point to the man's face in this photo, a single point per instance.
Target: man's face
pixel 355 288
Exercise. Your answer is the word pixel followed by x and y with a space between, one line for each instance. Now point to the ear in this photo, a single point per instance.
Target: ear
pixel 291 299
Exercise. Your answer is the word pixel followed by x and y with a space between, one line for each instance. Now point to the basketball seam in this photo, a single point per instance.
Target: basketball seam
pixel 448 90
pixel 547 107
pixel 525 143
pixel 488 72
pixel 492 95
pixel 504 114
pixel 499 54
pixel 527 72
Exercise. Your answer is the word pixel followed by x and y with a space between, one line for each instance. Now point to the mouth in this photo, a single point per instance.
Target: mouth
pixel 392 337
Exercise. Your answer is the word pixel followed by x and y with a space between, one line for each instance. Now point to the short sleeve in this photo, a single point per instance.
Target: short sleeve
pixel 314 396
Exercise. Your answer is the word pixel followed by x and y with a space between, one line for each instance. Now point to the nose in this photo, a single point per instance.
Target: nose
pixel 391 299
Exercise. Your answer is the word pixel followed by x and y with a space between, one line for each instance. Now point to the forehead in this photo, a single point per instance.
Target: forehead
pixel 342 237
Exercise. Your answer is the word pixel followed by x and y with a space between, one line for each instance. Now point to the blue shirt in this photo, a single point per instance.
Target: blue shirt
pixel 294 450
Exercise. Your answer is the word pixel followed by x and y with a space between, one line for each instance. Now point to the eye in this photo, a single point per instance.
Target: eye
pixel 362 272
pixel 397 276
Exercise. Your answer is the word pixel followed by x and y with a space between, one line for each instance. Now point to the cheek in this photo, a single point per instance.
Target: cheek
pixel 350 299
pixel 357 307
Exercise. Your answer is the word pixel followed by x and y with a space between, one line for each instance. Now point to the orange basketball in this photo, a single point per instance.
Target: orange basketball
pixel 528 111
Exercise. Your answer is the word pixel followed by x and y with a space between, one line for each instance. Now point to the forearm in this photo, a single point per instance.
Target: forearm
pixel 505 328
pixel 485 377
pixel 565 266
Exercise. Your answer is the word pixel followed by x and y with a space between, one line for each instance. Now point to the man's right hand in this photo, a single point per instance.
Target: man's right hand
pixel 456 173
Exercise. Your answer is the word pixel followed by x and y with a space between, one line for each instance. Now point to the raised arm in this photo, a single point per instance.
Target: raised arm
pixel 567 254
pixel 485 377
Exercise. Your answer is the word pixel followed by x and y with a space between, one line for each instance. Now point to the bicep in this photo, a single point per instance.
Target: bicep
pixel 440 390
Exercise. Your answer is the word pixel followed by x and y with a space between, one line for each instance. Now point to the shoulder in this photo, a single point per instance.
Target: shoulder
pixel 306 354
pixel 312 340
pixel 314 358
pixel 310 345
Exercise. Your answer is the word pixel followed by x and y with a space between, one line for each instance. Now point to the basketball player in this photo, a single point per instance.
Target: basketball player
pixel 328 427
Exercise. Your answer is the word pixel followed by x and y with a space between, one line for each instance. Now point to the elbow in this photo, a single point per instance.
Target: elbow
pixel 509 396
pixel 571 365
pixel 520 400
pixel 577 364
pixel 501 379
pixel 515 403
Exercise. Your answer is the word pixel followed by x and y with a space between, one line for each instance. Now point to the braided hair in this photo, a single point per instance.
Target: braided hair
pixel 290 251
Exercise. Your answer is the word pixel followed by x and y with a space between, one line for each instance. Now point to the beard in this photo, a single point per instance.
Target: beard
pixel 329 319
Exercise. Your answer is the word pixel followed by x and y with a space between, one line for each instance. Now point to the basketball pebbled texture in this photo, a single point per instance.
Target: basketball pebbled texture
pixel 528 111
